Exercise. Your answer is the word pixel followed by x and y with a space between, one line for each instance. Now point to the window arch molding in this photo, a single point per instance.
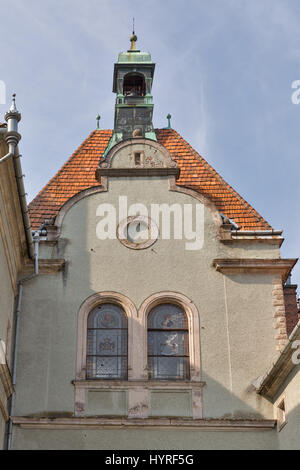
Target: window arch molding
pixel 192 313
pixel 85 309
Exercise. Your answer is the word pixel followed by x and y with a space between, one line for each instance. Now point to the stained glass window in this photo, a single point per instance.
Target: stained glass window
pixel 107 343
pixel 168 347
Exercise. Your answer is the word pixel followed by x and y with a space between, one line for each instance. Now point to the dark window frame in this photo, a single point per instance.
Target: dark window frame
pixel 184 357
pixel 91 364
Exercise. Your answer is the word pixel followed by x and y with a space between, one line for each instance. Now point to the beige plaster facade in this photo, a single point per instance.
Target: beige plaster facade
pixel 229 287
pixel 234 317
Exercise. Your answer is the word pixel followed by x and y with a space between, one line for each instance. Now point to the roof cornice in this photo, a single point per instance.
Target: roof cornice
pixel 255 265
pixel 279 371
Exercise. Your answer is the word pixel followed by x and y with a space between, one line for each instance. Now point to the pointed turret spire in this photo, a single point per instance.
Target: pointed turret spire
pixel 13 107
pixel 12 116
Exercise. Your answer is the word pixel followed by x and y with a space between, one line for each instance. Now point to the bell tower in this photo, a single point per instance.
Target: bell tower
pixel 132 83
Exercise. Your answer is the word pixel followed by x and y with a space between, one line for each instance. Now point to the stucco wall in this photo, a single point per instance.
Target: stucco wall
pixel 140 440
pixel 236 318
pixel 289 436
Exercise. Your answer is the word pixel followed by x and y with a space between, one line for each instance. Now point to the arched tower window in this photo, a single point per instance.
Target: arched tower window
pixel 107 343
pixel 134 85
pixel 168 343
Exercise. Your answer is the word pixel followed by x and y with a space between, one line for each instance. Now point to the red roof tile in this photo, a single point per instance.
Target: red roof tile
pixel 78 173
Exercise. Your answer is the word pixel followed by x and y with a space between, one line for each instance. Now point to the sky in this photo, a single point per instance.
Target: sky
pixel 224 71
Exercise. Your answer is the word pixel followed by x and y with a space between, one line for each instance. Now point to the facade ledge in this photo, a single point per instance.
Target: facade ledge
pixel 136 172
pixel 255 266
pixel 150 423
pixel 229 236
pixel 146 384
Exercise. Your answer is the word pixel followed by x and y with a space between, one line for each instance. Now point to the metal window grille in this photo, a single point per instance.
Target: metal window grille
pixel 107 348
pixel 168 347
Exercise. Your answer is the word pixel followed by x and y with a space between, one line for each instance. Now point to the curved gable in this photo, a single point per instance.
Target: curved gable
pixel 78 174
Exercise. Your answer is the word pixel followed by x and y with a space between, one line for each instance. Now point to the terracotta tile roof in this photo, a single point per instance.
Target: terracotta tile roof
pixel 78 173
pixel 197 174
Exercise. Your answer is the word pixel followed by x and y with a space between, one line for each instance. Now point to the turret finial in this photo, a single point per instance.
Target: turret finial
pixel 169 121
pixel 12 117
pixel 13 108
pixel 98 117
pixel 133 38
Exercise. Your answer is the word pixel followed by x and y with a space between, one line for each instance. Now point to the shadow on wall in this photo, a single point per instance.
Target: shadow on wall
pixel 289 436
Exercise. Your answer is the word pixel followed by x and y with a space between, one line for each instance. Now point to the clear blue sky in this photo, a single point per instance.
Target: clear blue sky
pixel 224 71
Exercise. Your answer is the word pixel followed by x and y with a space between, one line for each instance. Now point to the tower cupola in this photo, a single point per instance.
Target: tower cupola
pixel 133 76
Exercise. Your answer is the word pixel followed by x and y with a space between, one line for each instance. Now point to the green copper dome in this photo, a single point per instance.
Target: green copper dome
pixel 133 55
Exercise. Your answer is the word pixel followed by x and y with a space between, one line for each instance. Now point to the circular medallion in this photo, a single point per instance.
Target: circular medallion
pixel 137 232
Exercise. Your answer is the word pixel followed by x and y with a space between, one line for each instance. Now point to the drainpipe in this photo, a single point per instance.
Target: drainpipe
pixel 12 138
pixel 36 239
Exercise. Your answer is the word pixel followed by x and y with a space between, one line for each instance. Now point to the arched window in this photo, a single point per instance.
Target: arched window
pixel 168 346
pixel 134 85
pixel 107 343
